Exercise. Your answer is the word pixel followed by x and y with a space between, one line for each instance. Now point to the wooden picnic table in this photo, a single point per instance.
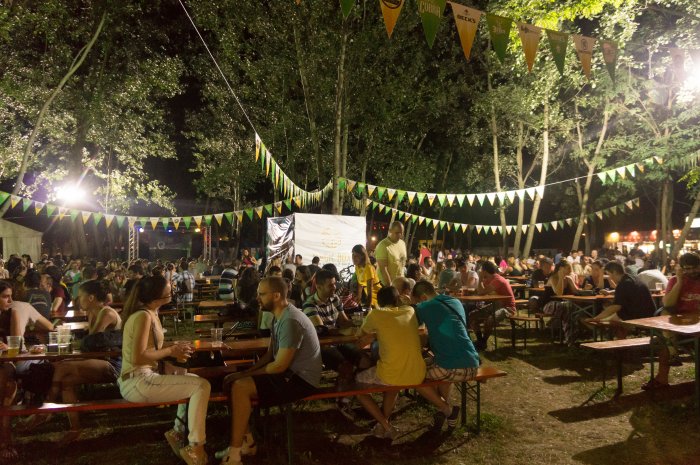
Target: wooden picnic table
pixel 54 357
pixel 70 315
pixel 482 298
pixel 682 325
pixel 77 326
pixel 253 346
pixel 213 304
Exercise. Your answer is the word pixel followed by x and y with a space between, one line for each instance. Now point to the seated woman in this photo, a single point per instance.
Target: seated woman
pixel 140 381
pixel 14 317
pixel 71 373
pixel 562 282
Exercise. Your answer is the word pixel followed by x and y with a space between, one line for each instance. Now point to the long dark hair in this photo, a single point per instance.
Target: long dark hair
pixel 95 288
pixel 145 291
pixel 5 285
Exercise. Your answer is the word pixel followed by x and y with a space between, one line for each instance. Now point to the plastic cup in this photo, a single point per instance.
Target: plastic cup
pixel 540 284
pixel 217 337
pixel 14 344
pixel 659 286
pixel 357 319
pixel 182 359
pixel 64 343
pixel 52 347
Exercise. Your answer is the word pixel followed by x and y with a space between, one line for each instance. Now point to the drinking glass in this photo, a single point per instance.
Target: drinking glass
pixel 217 337
pixel 14 344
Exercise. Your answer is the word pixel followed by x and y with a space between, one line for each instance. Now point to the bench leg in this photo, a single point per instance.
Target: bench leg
pixel 619 375
pixel 290 434
pixel 464 402
pixel 478 407
pixel 512 333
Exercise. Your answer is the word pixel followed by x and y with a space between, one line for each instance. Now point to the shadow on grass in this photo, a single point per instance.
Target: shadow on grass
pixel 638 450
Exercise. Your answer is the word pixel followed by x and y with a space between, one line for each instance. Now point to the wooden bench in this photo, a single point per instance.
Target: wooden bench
pixel 215 319
pixel 616 348
pixel 519 304
pixel 519 321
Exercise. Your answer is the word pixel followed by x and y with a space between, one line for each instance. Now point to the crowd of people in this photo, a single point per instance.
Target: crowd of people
pixel 389 298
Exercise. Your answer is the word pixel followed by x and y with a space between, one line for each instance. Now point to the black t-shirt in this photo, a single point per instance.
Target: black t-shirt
pixel 538 275
pixel 634 298
pixel 606 283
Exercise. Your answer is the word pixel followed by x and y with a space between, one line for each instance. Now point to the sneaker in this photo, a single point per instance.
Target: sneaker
pixel 191 457
pixel 439 420
pixel 454 416
pixel 246 449
pixel 176 439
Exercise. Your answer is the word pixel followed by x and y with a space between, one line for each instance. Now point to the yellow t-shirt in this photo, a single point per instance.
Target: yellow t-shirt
pixel 367 274
pixel 400 359
pixel 395 254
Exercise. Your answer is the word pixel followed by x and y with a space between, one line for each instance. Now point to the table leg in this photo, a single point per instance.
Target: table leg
pixel 697 373
pixel 651 350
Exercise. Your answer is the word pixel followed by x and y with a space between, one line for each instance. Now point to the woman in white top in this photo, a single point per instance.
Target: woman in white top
pixel 140 381
pixel 69 374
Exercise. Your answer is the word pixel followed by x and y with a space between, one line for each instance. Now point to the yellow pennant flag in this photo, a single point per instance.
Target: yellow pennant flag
pixel 239 216
pixel 14 200
pixel 391 9
pixel 467 20
pixel 61 212
pixel 86 216
pixel 257 147
pixel 109 219
pixel 219 218
pixel 154 222
pixel 197 220
pixel 584 48
pixel 530 37
pixel 38 206
pixel 431 199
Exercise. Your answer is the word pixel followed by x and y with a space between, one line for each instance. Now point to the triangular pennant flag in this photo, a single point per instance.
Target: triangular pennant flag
pixel 154 222
pixel 411 196
pixel 391 9
pixel 531 192
pixel 479 228
pixel 530 37
pixel 561 223
pixel 390 193
pixel 239 216
pixel 584 48
pixel 621 171
pixel 342 183
pixel 268 209
pixel 540 191
pixel 288 204
pixel 546 226
pixel 74 214
pixel 521 194
pixel 554 225
pixel 658 160
pixel 499 30
pixel 636 202
pixel 297 201
pixel 524 228
pixel 380 192
pixel 346 7
pixel 421 197
pixel 538 226
pixel 492 198
pixel 610 56
pixel 414 218
pixel 612 174
pixel 501 196
pixel 207 220
pixel 26 203
pixel 464 227
pixel 143 221
pixel 278 207
pixel 85 215
pixel 259 211
pixel 602 177
pixel 38 206
pixel 421 219
pixel 442 225
pixel 370 189
pixel 96 218
pixel 450 199
pixel 599 215
pixel 108 220
pixel 558 41
pixel 257 146
pixel 630 169
pixel 219 217
pixel 197 220
pixel 460 199
pixel 351 185
pixel 470 199
pixel 480 198
pixel 400 195
pixel 431 199
pixel 360 187
pixel 569 221
pixel 14 200
pixel 614 210
pixel 430 15
pixel 467 21
pixel 62 212
pixel 3 197
pixel 249 213
pixel 509 229
pixel 120 221
pixel 50 208
pixel 511 196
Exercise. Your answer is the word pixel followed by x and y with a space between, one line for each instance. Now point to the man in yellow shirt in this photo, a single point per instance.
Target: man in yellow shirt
pixel 391 254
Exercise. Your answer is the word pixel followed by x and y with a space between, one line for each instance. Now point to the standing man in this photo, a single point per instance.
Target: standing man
pixel 391 254
pixel 289 370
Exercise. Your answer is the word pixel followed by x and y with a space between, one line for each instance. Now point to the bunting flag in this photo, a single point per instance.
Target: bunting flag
pixel 391 9
pixel 120 221
pixel 558 42
pixel 14 200
pixel 38 206
pixel 257 146
pixel 154 222
pixel 49 208
pixel 85 215
pixel 3 197
pixel 584 48
pixel 610 57
pixel 26 203
pixel 530 37
pixel 430 15
pixel 467 21
pixel 346 7
pixel 499 30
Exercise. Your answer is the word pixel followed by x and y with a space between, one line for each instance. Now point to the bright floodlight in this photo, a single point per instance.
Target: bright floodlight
pixel 692 81
pixel 70 193
pixel 140 230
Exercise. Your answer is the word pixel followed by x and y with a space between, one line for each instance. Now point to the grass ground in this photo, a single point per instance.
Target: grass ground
pixel 551 409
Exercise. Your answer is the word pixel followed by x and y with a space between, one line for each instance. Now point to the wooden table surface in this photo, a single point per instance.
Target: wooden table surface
pixel 481 298
pixel 686 326
pixel 53 357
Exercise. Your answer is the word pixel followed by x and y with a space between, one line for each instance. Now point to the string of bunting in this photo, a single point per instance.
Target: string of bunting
pixel 493 198
pixel 59 212
pixel 499 27
pixel 493 229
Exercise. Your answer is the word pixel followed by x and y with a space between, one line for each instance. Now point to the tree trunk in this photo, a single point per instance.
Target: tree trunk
pixel 77 62
pixel 496 171
pixel 336 208
pixel 686 227
pixel 521 185
pixel 543 178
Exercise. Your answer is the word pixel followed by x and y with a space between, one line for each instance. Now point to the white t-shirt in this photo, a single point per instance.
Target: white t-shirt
pixel 25 314
pixel 651 277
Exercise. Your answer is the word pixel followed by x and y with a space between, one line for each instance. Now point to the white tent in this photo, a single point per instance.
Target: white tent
pixel 19 240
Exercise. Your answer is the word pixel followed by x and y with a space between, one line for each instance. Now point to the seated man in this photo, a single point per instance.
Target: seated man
pixel 682 297
pixel 404 286
pixel 325 310
pixel 447 275
pixel 400 360
pixel 491 283
pixel 455 358
pixel 632 300
pixel 541 275
pixel 289 370
pixel 466 277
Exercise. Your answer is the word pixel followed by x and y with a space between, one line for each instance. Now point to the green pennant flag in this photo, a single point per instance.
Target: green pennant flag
pixel 207 219
pixel 186 220
pixel 429 221
pixel 499 30
pixel 601 175
pixel 288 204
pixel 558 42
pixel 610 57
pixel 612 174
pixel 421 197
pixel 431 14
pixel 50 208
pixel 341 183
pixel 249 213
pixel 26 203
pixel 120 221
pixel 380 192
pixel 460 199
pixel 442 225
pixel 268 209
pixel 401 214
pixel 96 218
pixel 414 218
pixel 441 199
pixel 229 217
pixel 360 187
pixel 546 226
pixel 401 195
pixel 165 221
pixel 3 197
pixel 346 7
pixel 74 214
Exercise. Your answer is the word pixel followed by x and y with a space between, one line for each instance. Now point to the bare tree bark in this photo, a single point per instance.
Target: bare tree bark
pixel 543 177
pixel 686 227
pixel 496 170
pixel 77 62
pixel 336 208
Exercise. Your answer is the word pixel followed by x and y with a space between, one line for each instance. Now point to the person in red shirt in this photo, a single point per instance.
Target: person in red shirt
pixel 491 283
pixel 682 296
